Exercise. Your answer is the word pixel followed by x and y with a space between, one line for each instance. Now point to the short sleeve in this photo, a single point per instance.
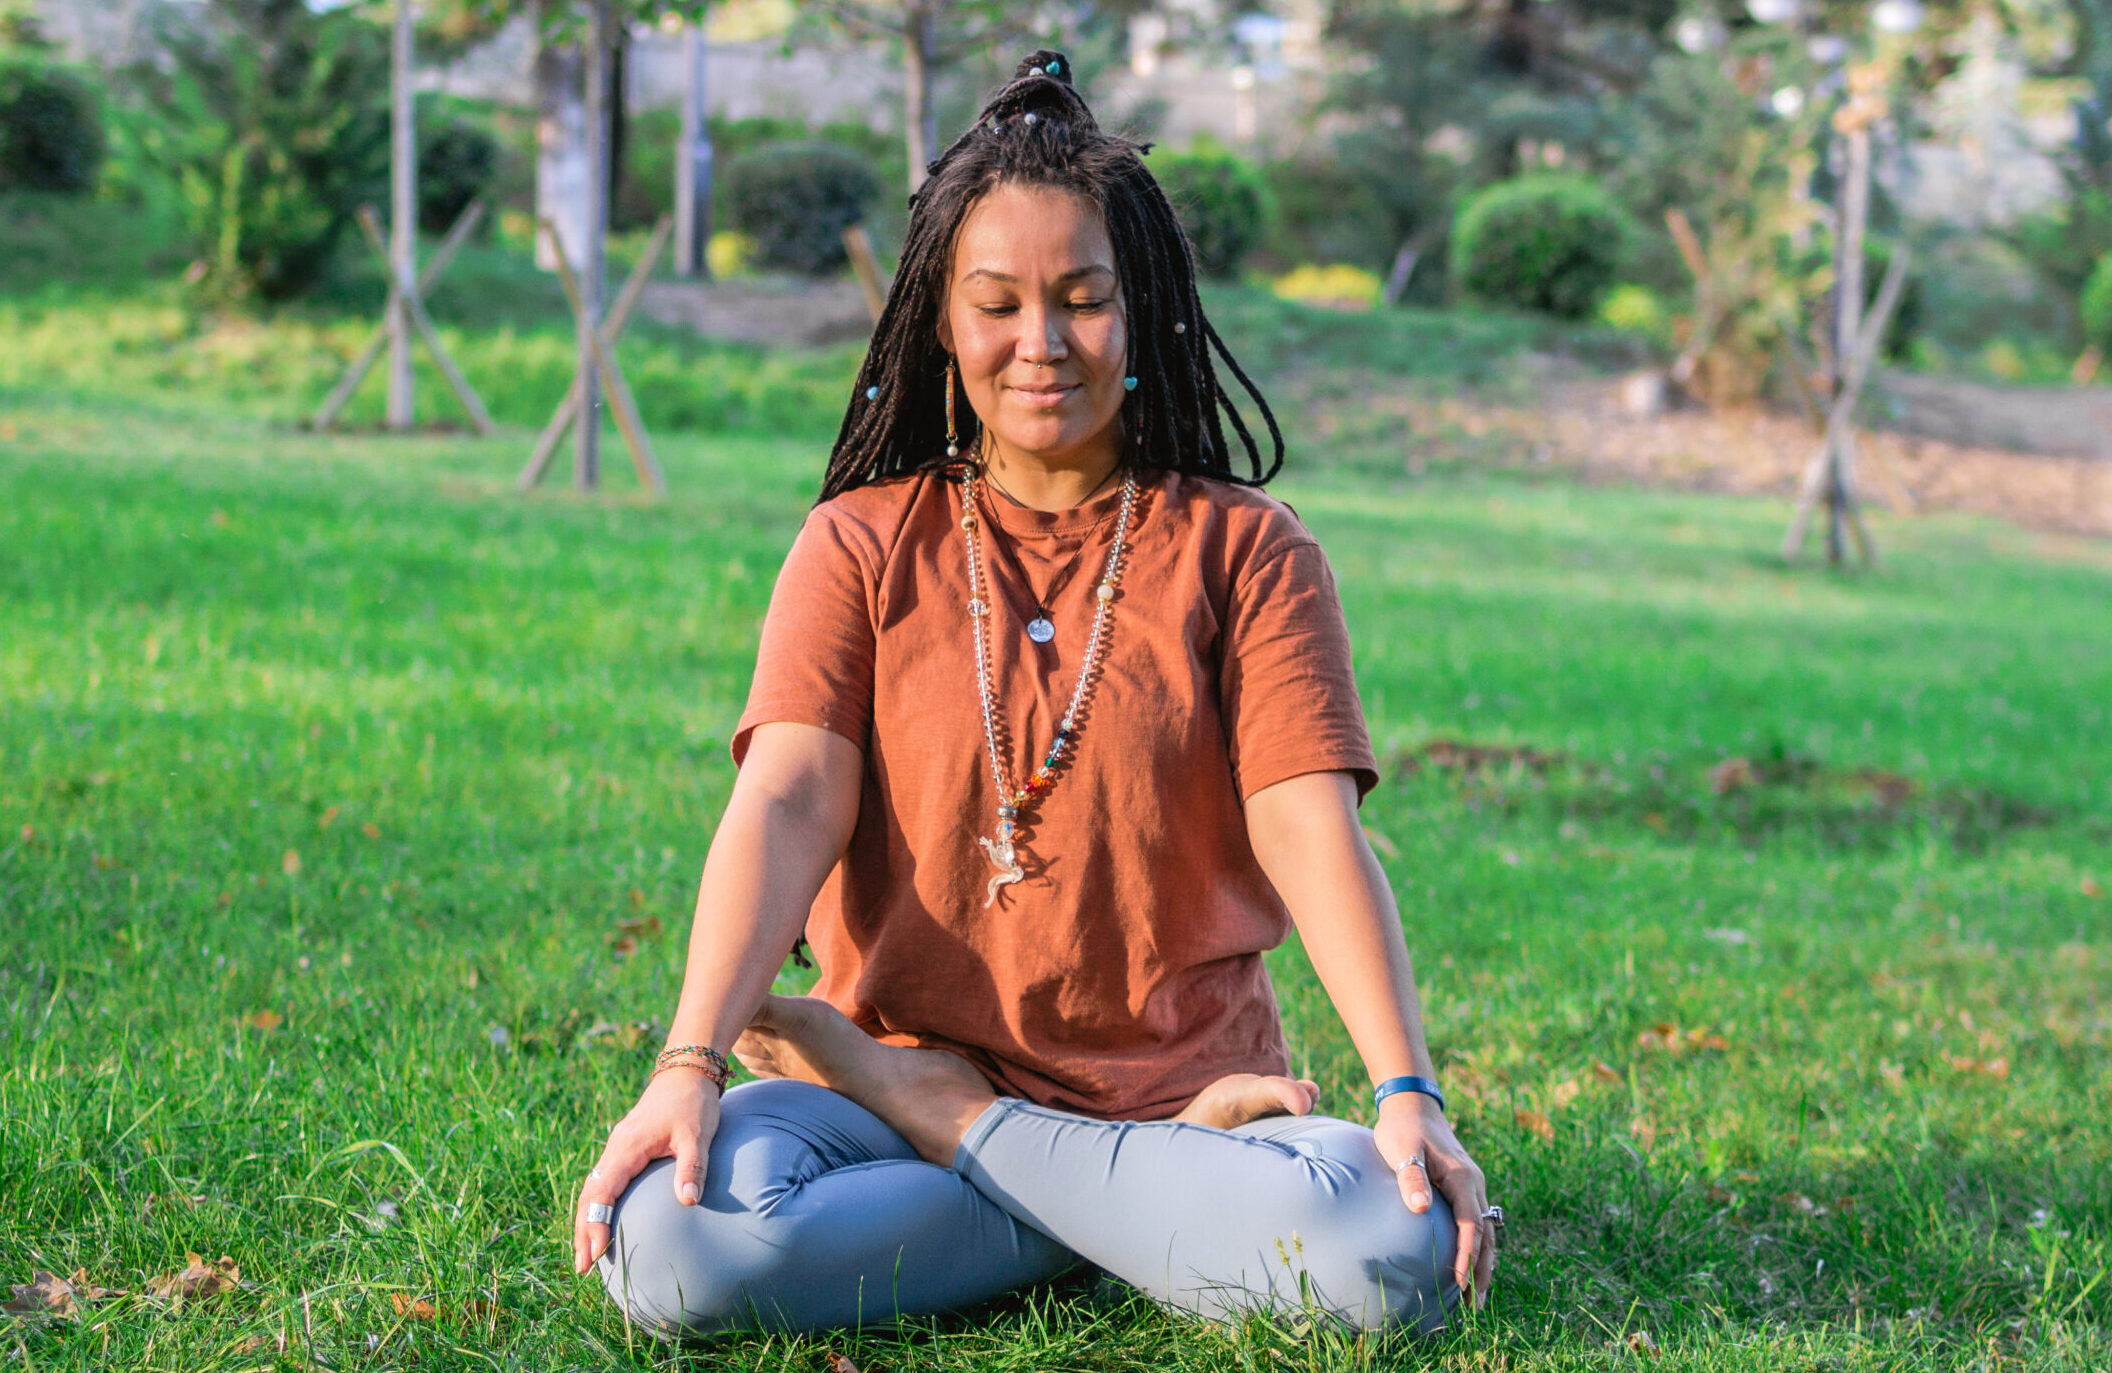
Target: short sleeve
pixel 814 664
pixel 1287 690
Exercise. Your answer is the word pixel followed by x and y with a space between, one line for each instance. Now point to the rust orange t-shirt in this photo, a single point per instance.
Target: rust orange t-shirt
pixel 1124 974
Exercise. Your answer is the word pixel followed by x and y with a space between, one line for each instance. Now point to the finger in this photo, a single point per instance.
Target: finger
pixel 1461 1187
pixel 689 1169
pixel 1312 1094
pixel 1470 1231
pixel 603 1186
pixel 1414 1178
pixel 1485 1263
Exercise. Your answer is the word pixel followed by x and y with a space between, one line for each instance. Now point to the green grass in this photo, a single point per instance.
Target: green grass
pixel 338 729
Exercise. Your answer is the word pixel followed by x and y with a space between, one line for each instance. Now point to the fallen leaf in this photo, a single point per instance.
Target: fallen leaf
pixel 2089 885
pixel 1729 775
pixel 266 1020
pixel 1656 821
pixel 1380 842
pixel 1997 1068
pixel 290 863
pixel 1536 1124
pixel 1797 1201
pixel 1645 1131
pixel 1604 1072
pixel 1671 1039
pixel 1893 1074
pixel 328 818
pixel 164 1199
pixel 1566 1092
pixel 103 862
pixel 1639 1342
pixel 48 1294
pixel 623 946
pixel 416 1310
pixel 197 1279
pixel 371 830
pixel 480 1309
pixel 1721 1195
pixel 221 519
pixel 841 1363
pixel 29 834
pixel 649 927
pixel 637 899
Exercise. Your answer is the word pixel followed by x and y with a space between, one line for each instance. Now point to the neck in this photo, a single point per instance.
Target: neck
pixel 1043 482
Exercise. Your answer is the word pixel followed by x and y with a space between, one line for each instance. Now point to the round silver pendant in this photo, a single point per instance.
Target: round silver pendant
pixel 1040 630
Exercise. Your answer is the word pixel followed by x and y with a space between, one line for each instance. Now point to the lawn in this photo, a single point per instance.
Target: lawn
pixel 351 809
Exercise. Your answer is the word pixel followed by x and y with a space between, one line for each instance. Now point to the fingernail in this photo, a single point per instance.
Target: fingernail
pixel 1418 1200
pixel 690 1194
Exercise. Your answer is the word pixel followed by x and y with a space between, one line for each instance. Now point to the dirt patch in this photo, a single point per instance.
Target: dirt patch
pixel 765 310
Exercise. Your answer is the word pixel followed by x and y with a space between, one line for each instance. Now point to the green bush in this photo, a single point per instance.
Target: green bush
pixel 51 129
pixel 1223 203
pixel 456 164
pixel 2094 309
pixel 1328 212
pixel 271 122
pixel 796 199
pixel 1547 242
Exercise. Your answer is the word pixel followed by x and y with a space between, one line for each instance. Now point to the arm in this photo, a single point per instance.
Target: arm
pixel 1305 834
pixel 794 805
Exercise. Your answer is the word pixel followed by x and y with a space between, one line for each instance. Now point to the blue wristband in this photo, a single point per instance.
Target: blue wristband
pixel 1408 1084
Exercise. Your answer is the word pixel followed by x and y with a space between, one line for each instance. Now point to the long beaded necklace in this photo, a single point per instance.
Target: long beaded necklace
pixel 1003 851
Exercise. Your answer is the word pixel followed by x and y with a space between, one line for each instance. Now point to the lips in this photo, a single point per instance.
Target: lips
pixel 1044 396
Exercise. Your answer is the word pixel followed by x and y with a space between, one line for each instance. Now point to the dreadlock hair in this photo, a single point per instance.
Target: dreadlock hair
pixel 1037 131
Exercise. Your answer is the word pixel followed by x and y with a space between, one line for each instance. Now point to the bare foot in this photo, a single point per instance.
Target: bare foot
pixel 929 1096
pixel 1242 1097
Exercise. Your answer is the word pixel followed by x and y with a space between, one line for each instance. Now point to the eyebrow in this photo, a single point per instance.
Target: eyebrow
pixel 1009 279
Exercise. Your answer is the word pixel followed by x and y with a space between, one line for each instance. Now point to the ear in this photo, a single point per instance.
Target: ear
pixel 945 327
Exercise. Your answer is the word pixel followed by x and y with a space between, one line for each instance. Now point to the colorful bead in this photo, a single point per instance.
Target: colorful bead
pixel 968 521
pixel 976 607
pixel 1129 383
pixel 1106 591
pixel 872 393
pixel 1179 327
pixel 1053 68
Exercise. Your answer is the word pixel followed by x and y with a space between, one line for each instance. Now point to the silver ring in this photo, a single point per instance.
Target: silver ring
pixel 1413 1160
pixel 594 1173
pixel 600 1213
pixel 1494 1213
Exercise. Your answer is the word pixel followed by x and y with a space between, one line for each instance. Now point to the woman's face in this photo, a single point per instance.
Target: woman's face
pixel 1034 319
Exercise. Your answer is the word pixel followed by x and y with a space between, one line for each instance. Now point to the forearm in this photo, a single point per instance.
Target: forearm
pixel 767 862
pixel 1315 854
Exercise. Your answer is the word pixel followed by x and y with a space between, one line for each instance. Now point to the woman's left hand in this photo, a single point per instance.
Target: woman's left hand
pixel 1411 1126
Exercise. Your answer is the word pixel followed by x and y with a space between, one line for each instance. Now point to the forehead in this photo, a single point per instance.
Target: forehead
pixel 1031 233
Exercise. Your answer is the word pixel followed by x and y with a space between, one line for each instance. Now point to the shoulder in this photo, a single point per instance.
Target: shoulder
pixel 870 520
pixel 1240 527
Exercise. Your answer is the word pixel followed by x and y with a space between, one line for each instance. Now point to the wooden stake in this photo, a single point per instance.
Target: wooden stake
pixel 403 221
pixel 865 265
pixel 465 224
pixel 611 330
pixel 408 297
pixel 593 266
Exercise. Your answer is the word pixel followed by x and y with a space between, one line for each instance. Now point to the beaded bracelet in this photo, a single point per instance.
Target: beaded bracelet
pixel 714 1064
pixel 1408 1084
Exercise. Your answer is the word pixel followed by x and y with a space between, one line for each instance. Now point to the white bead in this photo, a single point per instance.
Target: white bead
pixel 976 607
pixel 1106 591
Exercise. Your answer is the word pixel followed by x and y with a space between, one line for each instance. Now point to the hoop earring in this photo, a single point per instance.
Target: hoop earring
pixel 953 440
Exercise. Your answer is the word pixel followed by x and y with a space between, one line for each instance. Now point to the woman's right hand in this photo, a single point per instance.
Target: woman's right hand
pixel 676 1116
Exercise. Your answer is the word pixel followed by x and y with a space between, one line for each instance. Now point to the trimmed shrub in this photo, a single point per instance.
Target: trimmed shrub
pixel 1547 242
pixel 51 129
pixel 1223 203
pixel 2094 309
pixel 1338 286
pixel 456 164
pixel 796 199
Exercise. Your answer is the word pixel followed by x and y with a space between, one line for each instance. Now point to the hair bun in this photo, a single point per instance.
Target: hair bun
pixel 1045 62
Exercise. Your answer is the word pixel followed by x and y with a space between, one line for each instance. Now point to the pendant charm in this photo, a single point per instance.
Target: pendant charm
pixel 1040 630
pixel 1001 853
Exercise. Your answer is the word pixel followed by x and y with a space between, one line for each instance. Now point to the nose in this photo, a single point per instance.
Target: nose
pixel 1041 340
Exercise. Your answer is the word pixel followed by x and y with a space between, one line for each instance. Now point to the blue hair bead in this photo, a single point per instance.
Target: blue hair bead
pixel 872 393
pixel 1053 68
pixel 1129 383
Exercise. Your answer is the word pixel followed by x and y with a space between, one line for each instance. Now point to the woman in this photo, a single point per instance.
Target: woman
pixel 1043 1032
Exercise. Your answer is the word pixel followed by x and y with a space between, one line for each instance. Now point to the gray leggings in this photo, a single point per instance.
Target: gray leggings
pixel 816 1214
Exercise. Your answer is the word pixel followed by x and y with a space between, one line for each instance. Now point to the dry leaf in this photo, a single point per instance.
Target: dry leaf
pixel 1656 821
pixel 266 1020
pixel 329 817
pixel 1893 1074
pixel 290 863
pixel 29 834
pixel 479 1309
pixel 48 1294
pixel 221 519
pixel 1639 1342
pixel 841 1363
pixel 103 862
pixel 1797 1201
pixel 1645 1131
pixel 2090 888
pixel 649 927
pixel 155 1199
pixel 1988 1067
pixel 1604 1072
pixel 1672 1040
pixel 1729 775
pixel 371 830
pixel 1536 1124
pixel 1566 1092
pixel 416 1310
pixel 623 946
pixel 637 899
pixel 197 1278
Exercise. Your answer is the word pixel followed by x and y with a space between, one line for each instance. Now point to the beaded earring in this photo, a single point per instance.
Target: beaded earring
pixel 953 440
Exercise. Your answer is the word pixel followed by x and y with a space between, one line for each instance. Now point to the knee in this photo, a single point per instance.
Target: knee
pixel 1374 1263
pixel 675 1269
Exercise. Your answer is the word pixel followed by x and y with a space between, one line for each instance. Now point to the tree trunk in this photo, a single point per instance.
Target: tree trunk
pixel 560 148
pixel 919 119
pixel 403 220
pixel 593 214
pixel 693 164
pixel 619 117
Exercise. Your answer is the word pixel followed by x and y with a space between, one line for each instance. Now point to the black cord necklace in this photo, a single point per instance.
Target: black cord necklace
pixel 1041 628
